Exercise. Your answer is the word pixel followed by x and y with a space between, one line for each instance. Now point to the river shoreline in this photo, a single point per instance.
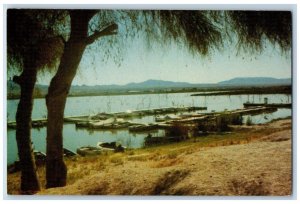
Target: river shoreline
pixel 239 163
pixel 207 91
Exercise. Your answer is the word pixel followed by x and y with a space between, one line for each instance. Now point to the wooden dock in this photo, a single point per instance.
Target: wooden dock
pixel 120 120
pixel 83 120
pixel 131 114
pixel 199 118
pixel 274 105
pixel 245 111
pixel 35 123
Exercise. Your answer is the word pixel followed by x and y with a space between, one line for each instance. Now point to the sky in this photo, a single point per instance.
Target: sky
pixel 173 63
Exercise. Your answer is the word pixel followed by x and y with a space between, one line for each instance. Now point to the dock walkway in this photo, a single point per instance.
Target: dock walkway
pixel 121 120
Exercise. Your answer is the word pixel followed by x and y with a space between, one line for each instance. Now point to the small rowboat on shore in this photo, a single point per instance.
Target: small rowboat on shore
pixel 88 150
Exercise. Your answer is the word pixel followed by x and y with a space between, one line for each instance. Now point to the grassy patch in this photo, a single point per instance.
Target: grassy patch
pixel 138 157
pixel 161 156
pixel 249 188
pixel 249 121
pixel 166 163
pixel 117 159
pixel 165 183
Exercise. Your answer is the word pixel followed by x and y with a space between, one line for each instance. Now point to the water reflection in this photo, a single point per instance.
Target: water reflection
pixel 76 137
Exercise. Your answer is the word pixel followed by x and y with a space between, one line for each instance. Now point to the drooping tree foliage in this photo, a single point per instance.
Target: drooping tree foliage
pixel 199 31
pixel 30 47
pixel 195 29
pixel 36 35
pixel 255 27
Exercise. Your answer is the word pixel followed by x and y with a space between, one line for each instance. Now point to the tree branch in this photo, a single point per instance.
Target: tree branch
pixel 109 30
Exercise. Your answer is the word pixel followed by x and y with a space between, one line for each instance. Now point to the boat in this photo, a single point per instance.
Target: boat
pixel 82 124
pixel 34 124
pixel 40 157
pixel 100 124
pixel 101 116
pixel 111 123
pixel 88 150
pixel 68 153
pixel 165 118
pixel 142 127
pixel 107 146
pixel 111 146
pixel 38 124
pixel 76 119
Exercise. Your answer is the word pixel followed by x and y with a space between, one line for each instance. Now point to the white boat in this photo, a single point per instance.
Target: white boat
pixel 165 118
pixel 111 146
pixel 102 123
pixel 88 150
pixel 111 123
pixel 143 127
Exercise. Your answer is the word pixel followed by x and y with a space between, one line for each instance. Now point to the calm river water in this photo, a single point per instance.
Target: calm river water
pixel 74 138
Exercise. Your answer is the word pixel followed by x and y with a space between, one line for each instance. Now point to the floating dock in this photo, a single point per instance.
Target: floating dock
pixel 84 120
pixel 36 123
pixel 121 120
pixel 199 118
pixel 274 105
pixel 133 114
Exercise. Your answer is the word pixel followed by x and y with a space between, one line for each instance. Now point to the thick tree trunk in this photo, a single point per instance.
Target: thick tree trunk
pixel 56 171
pixel 29 178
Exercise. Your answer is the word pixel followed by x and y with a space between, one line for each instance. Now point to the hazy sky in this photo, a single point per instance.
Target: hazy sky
pixel 177 64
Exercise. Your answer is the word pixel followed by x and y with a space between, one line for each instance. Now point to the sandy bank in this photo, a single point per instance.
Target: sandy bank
pixel 260 167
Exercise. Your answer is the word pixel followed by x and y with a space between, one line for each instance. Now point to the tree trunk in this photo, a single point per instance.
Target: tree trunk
pixel 56 171
pixel 29 178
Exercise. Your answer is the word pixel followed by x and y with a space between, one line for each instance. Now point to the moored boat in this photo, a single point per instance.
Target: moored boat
pixel 88 150
pixel 143 127
pixel 111 146
pixel 68 153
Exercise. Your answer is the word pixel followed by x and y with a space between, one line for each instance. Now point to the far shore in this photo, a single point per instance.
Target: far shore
pixel 205 91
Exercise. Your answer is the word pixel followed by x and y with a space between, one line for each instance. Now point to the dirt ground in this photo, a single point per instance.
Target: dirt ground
pixel 261 166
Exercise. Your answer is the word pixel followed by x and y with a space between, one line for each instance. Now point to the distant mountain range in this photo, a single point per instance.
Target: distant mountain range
pixel 256 81
pixel 151 83
pixel 240 81
pixel 13 90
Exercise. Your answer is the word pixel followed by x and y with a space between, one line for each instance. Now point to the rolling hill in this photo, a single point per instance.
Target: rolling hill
pixel 242 81
pixel 13 90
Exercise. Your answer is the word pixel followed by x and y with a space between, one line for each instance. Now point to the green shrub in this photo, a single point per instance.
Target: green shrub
pixel 177 132
pixel 249 121
pixel 222 123
pixel 236 119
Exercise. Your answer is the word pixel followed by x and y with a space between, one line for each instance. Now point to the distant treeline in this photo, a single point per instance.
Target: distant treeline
pixel 251 90
pixel 225 90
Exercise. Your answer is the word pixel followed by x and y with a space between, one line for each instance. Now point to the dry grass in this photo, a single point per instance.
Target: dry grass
pixel 117 159
pixel 139 157
pixel 166 163
pixel 249 188
pixel 171 159
pixel 245 162
pixel 167 181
